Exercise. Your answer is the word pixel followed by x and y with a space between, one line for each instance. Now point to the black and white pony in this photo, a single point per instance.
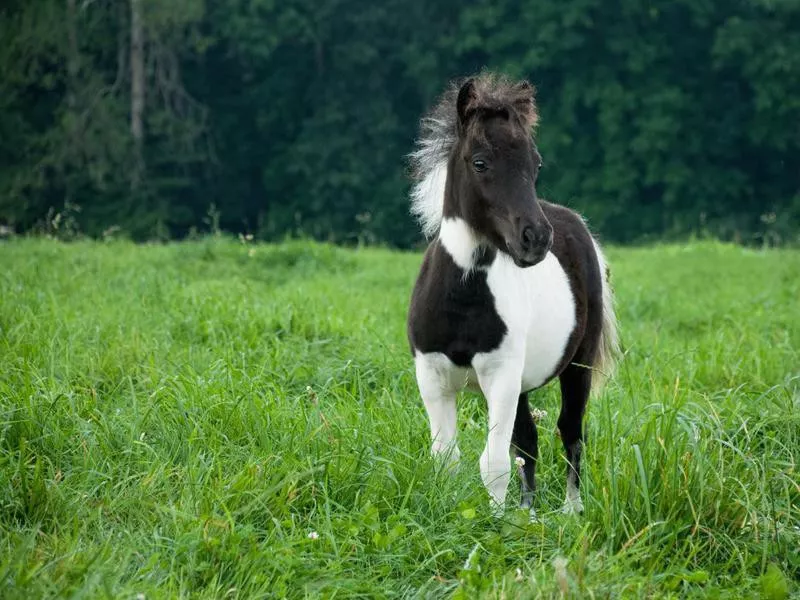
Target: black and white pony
pixel 513 291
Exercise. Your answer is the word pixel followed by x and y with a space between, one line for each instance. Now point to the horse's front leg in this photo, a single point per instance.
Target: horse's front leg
pixel 435 382
pixel 500 381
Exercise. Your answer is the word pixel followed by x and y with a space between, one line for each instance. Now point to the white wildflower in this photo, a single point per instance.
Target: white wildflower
pixel 560 566
pixel 538 414
pixel 519 461
pixel 313 535
pixel 312 395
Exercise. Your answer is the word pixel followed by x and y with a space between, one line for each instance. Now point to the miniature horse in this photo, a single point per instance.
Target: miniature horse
pixel 512 293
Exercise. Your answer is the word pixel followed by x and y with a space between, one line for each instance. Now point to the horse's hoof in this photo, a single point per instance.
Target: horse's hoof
pixel 572 506
pixel 527 505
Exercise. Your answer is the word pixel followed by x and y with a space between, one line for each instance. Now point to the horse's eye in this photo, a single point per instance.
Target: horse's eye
pixel 479 165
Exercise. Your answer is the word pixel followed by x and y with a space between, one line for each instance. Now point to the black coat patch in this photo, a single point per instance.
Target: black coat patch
pixel 452 313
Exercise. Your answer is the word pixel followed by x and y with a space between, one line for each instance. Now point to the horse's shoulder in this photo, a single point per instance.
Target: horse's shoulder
pixel 434 265
pixel 452 312
pixel 436 270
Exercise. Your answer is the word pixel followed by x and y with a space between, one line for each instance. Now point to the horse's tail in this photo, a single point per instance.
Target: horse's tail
pixel 608 350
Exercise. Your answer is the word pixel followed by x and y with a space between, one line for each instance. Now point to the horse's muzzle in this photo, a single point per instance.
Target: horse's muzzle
pixel 534 244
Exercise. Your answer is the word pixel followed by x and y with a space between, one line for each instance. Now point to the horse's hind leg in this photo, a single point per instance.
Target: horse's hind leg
pixel 439 396
pixel 576 382
pixel 525 440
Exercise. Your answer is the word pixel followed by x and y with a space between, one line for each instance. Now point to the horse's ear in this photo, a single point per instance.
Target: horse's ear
pixel 466 99
pixel 525 104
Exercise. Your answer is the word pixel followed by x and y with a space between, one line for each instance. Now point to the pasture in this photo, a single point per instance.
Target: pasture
pixel 216 419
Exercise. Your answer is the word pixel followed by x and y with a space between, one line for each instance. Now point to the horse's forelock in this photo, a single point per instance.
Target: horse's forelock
pixel 494 94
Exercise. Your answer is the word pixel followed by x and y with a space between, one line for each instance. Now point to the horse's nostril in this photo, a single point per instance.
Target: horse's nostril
pixel 528 237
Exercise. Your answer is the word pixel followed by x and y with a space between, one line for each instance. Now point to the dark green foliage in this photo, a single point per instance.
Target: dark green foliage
pixel 658 119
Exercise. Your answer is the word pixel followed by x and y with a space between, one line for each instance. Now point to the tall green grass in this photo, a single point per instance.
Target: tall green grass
pixel 215 420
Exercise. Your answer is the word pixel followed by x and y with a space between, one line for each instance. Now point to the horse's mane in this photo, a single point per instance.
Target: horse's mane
pixel 439 133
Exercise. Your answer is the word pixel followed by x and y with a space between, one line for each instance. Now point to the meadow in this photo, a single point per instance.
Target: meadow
pixel 221 419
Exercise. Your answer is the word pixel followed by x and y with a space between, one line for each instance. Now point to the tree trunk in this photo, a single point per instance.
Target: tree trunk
pixel 137 90
pixel 72 58
pixel 73 150
pixel 122 42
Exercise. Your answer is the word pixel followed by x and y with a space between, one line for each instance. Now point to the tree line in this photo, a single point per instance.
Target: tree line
pixel 159 118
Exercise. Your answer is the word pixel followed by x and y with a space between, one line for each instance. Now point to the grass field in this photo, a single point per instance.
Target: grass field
pixel 217 420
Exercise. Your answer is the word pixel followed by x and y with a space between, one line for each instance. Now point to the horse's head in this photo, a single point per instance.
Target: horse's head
pixel 493 169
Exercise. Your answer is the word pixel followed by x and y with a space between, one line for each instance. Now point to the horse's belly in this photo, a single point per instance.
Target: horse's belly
pixel 541 311
pixel 544 352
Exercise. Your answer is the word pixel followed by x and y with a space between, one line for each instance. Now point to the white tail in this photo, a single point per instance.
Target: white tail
pixel 608 349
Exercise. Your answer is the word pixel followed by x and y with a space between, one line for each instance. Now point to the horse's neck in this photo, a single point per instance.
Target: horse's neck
pixel 460 241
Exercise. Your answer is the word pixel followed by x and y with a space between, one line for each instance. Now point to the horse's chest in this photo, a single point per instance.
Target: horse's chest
pixel 538 309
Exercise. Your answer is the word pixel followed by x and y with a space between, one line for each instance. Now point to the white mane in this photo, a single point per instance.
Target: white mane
pixel 438 133
pixel 427 199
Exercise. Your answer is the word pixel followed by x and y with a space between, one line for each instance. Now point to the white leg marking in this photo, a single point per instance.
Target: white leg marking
pixel 499 378
pixel 526 501
pixel 573 504
pixel 436 387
